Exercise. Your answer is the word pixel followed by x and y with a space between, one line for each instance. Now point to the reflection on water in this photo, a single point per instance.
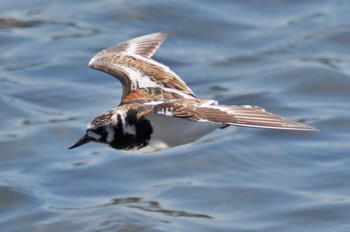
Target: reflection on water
pixel 49 121
pixel 6 23
pixel 138 203
pixel 286 56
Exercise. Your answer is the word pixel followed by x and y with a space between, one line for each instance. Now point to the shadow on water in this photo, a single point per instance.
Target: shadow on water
pixel 12 23
pixel 9 23
pixel 138 203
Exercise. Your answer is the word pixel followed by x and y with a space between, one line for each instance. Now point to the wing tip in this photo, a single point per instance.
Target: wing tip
pixel 295 126
pixel 304 127
pixel 92 61
pixel 160 37
pixel 166 34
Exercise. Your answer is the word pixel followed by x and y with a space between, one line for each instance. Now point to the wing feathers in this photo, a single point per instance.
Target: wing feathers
pixel 145 45
pixel 246 116
pixel 142 77
pixel 131 63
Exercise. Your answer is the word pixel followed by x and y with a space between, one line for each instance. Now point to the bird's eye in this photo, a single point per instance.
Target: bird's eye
pixel 99 130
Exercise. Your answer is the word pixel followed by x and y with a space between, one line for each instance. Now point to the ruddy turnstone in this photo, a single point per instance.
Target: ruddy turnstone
pixel 158 110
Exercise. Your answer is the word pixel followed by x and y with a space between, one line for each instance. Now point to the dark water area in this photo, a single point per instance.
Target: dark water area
pixel 290 57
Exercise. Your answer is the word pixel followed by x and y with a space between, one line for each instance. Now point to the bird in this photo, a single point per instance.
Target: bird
pixel 157 109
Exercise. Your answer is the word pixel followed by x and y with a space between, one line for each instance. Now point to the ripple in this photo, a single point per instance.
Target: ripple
pixel 290 57
pixel 140 204
pixel 28 122
pixel 8 23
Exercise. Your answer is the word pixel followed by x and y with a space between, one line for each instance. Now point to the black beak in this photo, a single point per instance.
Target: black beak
pixel 80 142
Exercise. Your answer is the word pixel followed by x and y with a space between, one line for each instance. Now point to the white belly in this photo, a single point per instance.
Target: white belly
pixel 170 131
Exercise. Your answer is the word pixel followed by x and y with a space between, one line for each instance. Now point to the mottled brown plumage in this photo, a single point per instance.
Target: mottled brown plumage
pixel 134 56
pixel 158 110
pixel 144 95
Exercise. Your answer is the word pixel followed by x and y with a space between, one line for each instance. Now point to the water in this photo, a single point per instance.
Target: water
pixel 291 57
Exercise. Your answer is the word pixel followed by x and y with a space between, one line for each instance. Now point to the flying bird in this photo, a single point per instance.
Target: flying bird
pixel 157 109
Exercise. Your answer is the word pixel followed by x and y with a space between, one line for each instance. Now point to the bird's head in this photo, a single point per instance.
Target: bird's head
pixel 95 134
pixel 99 130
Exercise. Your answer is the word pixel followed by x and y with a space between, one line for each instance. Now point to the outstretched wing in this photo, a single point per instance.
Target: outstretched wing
pixel 131 63
pixel 247 116
pixel 145 45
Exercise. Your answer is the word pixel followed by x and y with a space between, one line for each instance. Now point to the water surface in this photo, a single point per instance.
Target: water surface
pixel 290 57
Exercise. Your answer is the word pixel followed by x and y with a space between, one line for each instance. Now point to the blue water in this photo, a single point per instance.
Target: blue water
pixel 290 57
